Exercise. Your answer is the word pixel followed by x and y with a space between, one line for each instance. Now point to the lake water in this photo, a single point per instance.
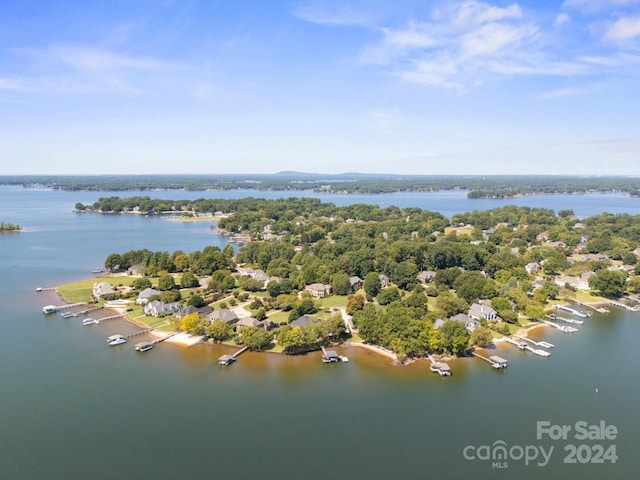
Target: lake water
pixel 74 408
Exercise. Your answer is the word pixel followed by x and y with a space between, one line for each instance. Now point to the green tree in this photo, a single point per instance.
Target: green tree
pixel 113 262
pixel 196 301
pixel 371 284
pixel 609 283
pixel 255 338
pixel 166 282
pixel 219 330
pixel 141 283
pixel 481 336
pixel 273 288
pixel 455 337
pixel 290 338
pixel 388 295
pixel 469 285
pixel 189 280
pixel 340 284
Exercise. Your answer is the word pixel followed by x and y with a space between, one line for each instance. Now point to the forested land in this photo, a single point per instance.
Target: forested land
pixel 495 186
pixel 9 227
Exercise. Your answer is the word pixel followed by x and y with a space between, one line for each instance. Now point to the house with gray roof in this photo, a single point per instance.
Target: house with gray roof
pixel 479 311
pixel 228 316
pixel 102 290
pixel 303 320
pixel 156 308
pixel 189 309
pixel 469 323
pixel 355 282
pixel 247 322
pixel 145 295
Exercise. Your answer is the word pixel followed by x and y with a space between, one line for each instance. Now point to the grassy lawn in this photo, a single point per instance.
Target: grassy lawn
pixel 332 301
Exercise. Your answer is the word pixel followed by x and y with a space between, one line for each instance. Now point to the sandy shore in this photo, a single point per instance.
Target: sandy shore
pixel 375 348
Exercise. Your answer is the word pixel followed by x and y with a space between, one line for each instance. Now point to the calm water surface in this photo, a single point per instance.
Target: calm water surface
pixel 74 408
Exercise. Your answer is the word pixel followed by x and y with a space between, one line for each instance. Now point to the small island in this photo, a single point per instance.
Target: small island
pixel 9 227
pixel 406 283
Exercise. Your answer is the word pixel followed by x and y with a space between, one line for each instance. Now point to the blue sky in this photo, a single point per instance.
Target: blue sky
pixel 394 86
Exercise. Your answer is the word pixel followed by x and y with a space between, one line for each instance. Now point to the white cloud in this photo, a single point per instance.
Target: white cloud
pixel 493 38
pixel 95 59
pixel 473 13
pixel 561 19
pixel 342 15
pixel 595 6
pixel 565 92
pixel 624 28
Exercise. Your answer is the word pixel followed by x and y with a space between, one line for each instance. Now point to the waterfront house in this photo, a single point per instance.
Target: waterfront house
pixel 479 311
pixel 189 309
pixel 145 295
pixel 228 316
pixel 268 324
pixel 102 290
pixel 469 323
pixel 247 322
pixel 156 308
pixel 318 290
pixel 137 270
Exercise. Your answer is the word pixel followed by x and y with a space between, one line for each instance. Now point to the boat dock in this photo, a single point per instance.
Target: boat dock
pixel 229 359
pixel 634 308
pixel 111 317
pixel 593 307
pixel 525 346
pixel 61 308
pixel 495 361
pixel 573 311
pixel 45 289
pixel 564 328
pixel 135 334
pixel 146 346
pixel 441 368
pixel 538 344
pixel 568 320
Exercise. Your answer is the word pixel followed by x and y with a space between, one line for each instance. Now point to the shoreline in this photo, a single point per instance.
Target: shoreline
pixel 377 349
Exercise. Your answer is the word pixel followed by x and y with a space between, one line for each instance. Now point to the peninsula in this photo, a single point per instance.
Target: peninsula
pixel 407 280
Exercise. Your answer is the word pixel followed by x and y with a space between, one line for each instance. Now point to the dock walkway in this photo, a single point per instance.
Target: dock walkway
pixel 564 328
pixel 495 361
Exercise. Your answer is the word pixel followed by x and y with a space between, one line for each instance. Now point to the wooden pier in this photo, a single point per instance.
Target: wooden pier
pixel 45 289
pixel 111 317
pixel 229 359
pixel 135 334
pixel 538 344
pixel 568 320
pixel 525 346
pixel 634 308
pixel 495 361
pixel 593 307
pixel 564 328
pixel 573 311
pixel 61 308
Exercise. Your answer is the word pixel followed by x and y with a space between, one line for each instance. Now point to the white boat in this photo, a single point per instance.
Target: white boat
pixel 116 340
pixel 49 309
pixel 90 321
pixel 344 358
